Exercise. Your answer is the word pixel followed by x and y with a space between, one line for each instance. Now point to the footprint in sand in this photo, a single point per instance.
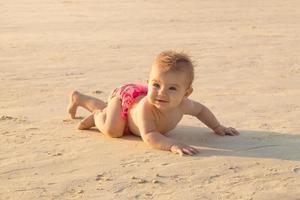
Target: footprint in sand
pixel 296 170
pixel 69 121
pixel 103 178
pixel 32 129
pixel 5 133
pixel 9 118
pixel 55 154
pixel 97 92
pixel 75 192
pixel 5 117
pixel 139 180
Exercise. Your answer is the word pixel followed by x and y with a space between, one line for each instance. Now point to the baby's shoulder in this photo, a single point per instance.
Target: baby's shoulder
pixel 190 107
pixel 142 106
pixel 141 102
pixel 186 104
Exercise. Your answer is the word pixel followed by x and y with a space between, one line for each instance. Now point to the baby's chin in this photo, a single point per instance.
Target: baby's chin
pixel 163 106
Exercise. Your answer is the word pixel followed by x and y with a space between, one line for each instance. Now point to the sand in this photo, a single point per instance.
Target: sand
pixel 248 74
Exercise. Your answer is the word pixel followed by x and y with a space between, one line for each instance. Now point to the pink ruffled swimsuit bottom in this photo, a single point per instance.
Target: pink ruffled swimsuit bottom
pixel 128 94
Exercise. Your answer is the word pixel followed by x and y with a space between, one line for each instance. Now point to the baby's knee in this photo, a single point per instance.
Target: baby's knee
pixel 81 126
pixel 115 135
pixel 113 132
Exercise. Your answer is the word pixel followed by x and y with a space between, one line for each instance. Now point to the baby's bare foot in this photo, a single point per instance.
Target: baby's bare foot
pixel 72 108
pixel 87 122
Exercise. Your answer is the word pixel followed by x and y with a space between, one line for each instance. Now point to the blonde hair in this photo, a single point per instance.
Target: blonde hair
pixel 176 62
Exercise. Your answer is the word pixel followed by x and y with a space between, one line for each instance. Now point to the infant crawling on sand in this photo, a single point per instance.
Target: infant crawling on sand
pixel 150 110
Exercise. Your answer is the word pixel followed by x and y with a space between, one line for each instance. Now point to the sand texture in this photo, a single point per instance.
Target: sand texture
pixel 248 74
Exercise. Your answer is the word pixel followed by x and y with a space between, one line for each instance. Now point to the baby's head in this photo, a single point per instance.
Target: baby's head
pixel 171 61
pixel 170 79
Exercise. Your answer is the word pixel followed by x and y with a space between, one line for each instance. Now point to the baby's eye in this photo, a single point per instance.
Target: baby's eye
pixel 156 85
pixel 173 88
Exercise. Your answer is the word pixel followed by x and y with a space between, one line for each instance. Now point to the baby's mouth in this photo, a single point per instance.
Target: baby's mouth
pixel 161 101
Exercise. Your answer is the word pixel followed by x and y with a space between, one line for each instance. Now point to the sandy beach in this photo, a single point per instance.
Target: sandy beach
pixel 247 73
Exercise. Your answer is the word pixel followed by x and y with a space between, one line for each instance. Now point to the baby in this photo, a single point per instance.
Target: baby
pixel 151 110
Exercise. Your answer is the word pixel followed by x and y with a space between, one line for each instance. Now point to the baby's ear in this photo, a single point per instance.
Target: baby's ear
pixel 188 92
pixel 147 81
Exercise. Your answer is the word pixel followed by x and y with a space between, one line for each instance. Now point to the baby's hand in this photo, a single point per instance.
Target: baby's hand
pixel 222 130
pixel 183 149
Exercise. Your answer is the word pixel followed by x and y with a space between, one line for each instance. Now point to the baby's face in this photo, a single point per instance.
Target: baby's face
pixel 167 89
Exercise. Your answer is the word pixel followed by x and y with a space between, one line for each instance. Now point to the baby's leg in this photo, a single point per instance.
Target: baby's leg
pixel 109 121
pixel 87 123
pixel 88 102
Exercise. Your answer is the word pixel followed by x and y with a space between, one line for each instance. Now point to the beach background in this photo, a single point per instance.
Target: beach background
pixel 247 73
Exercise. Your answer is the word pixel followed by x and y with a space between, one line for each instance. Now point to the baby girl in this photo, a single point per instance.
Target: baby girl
pixel 151 110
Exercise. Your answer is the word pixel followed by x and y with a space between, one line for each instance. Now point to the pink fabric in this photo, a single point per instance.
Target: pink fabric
pixel 128 93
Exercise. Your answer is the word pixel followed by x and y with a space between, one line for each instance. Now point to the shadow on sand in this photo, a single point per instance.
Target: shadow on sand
pixel 254 144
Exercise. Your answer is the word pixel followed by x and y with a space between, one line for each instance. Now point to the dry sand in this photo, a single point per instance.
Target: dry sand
pixel 248 73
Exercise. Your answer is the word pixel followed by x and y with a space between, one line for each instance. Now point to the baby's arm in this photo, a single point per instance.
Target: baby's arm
pixel 207 117
pixel 149 133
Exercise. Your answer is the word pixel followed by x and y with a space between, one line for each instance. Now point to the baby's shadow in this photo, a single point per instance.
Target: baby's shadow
pixel 259 144
pixel 252 144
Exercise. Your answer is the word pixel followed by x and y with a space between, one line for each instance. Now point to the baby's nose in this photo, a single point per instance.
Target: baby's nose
pixel 162 92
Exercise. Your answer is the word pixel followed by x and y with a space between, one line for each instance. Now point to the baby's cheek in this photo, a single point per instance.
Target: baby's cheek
pixel 150 98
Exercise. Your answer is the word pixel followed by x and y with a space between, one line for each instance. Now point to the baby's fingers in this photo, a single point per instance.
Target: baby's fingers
pixel 190 151
pixel 184 150
pixel 194 150
pixel 235 131
pixel 231 131
pixel 221 133
pixel 187 151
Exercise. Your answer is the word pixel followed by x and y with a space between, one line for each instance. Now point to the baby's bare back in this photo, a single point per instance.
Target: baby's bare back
pixel 164 121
